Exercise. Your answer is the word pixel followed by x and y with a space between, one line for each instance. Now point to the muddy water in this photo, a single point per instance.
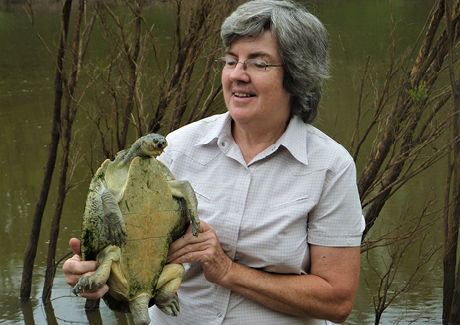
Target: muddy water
pixel 26 82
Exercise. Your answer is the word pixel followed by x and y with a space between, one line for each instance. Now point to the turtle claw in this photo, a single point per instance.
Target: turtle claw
pixel 84 284
pixel 170 308
pixel 195 227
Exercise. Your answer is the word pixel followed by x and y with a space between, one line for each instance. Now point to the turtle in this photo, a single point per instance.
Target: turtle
pixel 134 209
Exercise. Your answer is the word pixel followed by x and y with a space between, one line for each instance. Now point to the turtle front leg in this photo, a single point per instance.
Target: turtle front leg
pixel 114 225
pixel 183 189
pixel 166 298
pixel 93 282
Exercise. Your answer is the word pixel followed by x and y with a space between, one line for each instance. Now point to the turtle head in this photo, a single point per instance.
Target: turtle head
pixel 151 145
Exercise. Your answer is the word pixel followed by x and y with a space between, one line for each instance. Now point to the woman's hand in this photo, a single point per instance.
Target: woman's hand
pixel 204 249
pixel 75 268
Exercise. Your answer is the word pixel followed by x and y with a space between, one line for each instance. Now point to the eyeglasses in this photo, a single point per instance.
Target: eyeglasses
pixel 255 65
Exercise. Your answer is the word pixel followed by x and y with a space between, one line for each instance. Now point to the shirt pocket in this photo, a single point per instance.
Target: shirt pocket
pixel 201 197
pixel 286 203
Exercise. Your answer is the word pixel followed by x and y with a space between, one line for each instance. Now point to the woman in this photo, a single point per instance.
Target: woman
pixel 281 217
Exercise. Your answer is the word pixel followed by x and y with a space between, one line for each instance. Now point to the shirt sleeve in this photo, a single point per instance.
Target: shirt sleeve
pixel 337 220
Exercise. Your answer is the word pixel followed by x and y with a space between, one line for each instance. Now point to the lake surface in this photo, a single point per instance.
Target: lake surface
pixel 26 97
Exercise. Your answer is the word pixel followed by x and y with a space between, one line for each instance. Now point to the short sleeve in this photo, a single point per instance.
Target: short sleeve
pixel 337 219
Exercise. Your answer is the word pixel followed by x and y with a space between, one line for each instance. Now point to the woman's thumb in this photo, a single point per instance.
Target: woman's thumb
pixel 74 244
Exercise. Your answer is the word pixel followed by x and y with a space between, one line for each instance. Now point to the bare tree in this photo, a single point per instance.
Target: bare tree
pixel 129 42
pixel 80 39
pixel 411 121
pixel 407 242
pixel 31 250
pixel 145 89
pixel 408 126
pixel 451 296
pixel 64 93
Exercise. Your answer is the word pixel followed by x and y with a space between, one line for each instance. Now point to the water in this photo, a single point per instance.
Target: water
pixel 26 96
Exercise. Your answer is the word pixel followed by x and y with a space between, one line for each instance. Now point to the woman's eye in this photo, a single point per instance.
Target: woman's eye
pixel 231 63
pixel 259 64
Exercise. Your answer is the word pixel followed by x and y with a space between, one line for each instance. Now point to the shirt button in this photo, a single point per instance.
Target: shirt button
pixel 219 315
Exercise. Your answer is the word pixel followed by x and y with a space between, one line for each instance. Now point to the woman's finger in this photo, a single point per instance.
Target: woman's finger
pixel 75 265
pixel 187 244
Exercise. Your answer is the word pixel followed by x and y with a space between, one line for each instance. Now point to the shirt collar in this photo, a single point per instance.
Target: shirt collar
pixel 221 129
pixel 294 139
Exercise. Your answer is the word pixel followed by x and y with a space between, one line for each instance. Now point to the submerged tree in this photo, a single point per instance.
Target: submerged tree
pixel 31 250
pixel 411 119
pixel 64 114
pixel 451 297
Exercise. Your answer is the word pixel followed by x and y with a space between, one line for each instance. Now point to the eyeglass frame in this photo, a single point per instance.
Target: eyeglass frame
pixel 245 67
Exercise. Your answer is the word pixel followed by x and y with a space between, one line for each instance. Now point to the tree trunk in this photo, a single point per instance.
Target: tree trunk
pixel 451 303
pixel 31 250
pixel 451 284
pixel 66 132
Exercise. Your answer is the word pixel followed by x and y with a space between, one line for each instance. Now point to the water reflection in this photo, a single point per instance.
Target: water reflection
pixel 65 308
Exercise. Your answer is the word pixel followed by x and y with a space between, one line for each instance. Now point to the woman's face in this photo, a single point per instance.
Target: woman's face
pixel 256 98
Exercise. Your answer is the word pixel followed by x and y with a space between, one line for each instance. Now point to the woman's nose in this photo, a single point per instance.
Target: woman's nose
pixel 239 73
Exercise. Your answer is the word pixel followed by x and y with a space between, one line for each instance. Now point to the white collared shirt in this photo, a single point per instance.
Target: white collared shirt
pixel 299 191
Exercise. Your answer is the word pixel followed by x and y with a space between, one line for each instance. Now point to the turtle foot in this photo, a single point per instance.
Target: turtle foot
pixel 93 282
pixel 171 307
pixel 86 283
pixel 115 229
pixel 116 233
pixel 166 297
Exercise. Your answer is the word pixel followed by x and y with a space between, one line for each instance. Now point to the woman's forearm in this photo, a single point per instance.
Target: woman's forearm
pixel 330 297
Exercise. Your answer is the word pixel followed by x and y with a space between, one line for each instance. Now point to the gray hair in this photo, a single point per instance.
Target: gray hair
pixel 302 43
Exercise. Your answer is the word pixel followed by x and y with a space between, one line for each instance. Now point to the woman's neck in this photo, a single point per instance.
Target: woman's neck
pixel 253 141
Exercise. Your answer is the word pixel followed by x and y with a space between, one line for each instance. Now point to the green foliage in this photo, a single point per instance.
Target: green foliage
pixel 418 93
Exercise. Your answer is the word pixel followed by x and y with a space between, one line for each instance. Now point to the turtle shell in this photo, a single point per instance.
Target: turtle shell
pixel 134 209
pixel 153 219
